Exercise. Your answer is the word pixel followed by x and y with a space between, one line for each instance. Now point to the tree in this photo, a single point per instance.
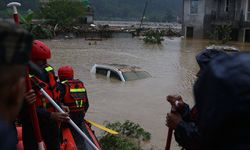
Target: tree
pixel 37 30
pixel 221 34
pixel 63 12
pixel 153 37
pixel 131 136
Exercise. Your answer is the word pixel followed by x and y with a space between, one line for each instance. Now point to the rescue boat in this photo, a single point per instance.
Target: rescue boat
pixel 68 142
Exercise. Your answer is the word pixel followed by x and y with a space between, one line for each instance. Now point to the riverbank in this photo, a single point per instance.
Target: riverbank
pixel 107 29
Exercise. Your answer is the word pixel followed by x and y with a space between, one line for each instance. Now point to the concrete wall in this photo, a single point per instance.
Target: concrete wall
pixel 202 21
pixel 243 7
pixel 241 35
pixel 210 5
pixel 89 19
pixel 194 20
pixel 239 7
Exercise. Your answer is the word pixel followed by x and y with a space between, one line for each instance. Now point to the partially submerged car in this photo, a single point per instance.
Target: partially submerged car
pixel 120 72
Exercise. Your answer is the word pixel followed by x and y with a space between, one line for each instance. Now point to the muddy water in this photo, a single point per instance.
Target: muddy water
pixel 172 66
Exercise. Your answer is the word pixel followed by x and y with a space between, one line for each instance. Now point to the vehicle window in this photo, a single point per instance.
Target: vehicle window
pixel 142 74
pixel 101 71
pixel 128 76
pixel 114 75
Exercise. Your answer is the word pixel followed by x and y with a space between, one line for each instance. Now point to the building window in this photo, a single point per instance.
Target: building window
pixel 194 6
pixel 248 11
pixel 227 6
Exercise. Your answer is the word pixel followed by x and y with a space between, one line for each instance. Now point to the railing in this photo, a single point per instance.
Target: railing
pixel 225 18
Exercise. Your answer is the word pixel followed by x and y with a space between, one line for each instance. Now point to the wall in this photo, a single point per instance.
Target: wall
pixel 194 20
pixel 202 21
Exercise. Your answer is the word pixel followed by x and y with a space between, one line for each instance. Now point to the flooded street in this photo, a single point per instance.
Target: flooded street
pixel 172 66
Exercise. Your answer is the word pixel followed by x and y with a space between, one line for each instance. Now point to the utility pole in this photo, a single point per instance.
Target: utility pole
pixel 143 15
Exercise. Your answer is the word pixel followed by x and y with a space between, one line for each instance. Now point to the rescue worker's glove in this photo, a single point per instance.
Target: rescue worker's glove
pixel 59 117
pixel 173 119
pixel 30 97
pixel 65 108
pixel 176 102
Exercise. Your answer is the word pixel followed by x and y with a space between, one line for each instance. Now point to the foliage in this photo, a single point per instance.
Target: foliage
pixel 221 34
pixel 153 37
pixel 63 12
pixel 41 32
pixel 130 136
pixel 38 31
pixel 26 20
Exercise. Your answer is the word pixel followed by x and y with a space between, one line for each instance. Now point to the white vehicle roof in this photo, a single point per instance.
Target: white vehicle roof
pixel 119 67
pixel 125 72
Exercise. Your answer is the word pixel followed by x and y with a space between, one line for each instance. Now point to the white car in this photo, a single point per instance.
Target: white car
pixel 120 72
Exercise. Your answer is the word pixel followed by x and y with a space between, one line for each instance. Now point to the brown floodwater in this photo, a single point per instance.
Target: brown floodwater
pixel 172 66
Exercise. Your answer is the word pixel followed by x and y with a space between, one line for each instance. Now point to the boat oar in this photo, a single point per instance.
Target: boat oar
pixel 31 107
pixel 14 5
pixel 45 94
pixel 170 131
pixel 33 117
pixel 169 139
pixel 102 127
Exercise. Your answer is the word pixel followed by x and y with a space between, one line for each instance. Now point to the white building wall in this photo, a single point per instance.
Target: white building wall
pixel 194 20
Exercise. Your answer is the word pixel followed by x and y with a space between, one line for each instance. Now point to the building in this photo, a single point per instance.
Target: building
pixel 89 16
pixel 201 17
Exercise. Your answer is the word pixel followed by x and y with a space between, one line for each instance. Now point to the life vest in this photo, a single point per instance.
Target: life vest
pixel 75 96
pixel 50 89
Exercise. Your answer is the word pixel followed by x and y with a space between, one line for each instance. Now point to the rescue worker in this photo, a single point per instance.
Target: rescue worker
pixel 183 119
pixel 15 46
pixel 74 95
pixel 224 109
pixel 49 118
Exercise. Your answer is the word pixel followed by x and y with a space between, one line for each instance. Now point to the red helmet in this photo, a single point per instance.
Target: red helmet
pixel 40 51
pixel 65 72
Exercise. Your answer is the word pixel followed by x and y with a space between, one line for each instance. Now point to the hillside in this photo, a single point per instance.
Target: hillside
pixel 158 10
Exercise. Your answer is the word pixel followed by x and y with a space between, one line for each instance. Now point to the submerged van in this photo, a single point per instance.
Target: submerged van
pixel 120 72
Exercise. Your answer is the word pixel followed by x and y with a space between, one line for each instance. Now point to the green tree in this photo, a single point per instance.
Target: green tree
pixel 37 30
pixel 63 12
pixel 130 136
pixel 153 37
pixel 221 34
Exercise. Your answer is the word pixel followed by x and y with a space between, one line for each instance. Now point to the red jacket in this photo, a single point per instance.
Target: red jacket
pixel 49 87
